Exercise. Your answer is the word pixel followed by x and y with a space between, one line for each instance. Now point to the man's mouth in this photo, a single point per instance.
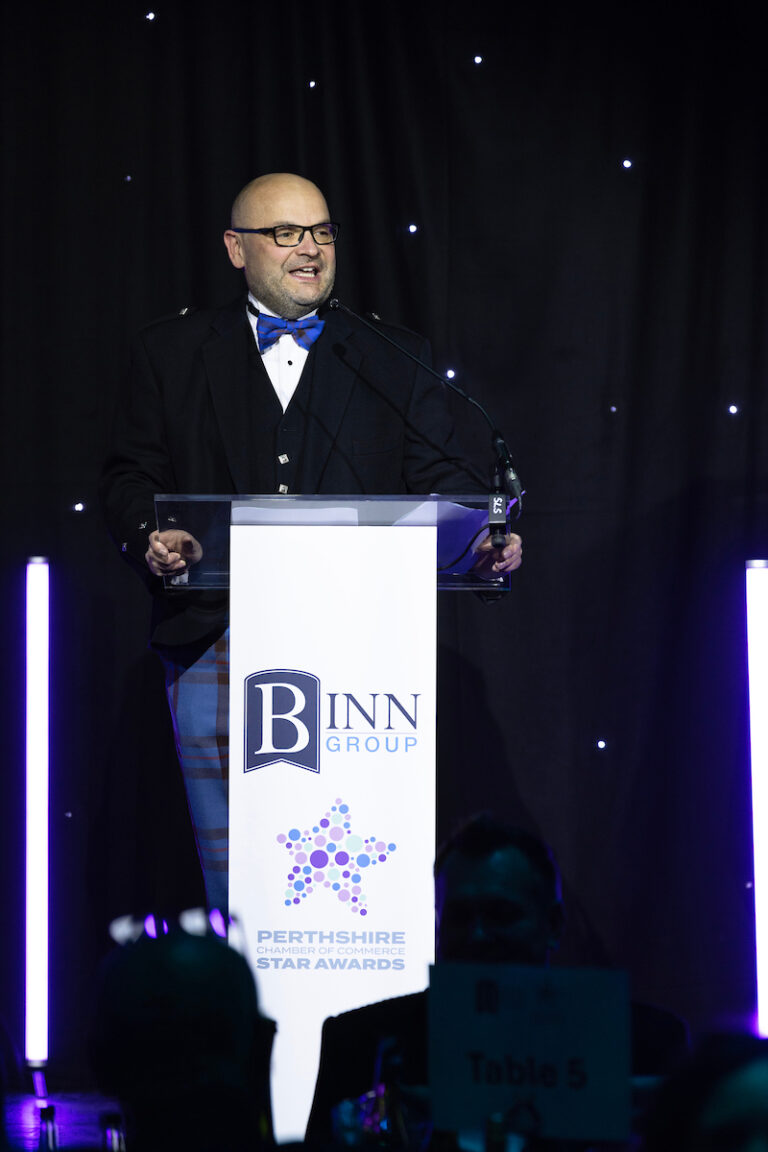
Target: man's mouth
pixel 309 272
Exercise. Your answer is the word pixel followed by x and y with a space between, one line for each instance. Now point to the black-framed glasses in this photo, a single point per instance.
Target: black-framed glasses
pixel 290 235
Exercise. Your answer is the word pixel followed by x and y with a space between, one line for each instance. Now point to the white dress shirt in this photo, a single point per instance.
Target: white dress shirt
pixel 284 361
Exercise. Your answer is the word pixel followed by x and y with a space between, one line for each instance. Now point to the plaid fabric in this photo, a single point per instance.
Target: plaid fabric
pixel 197 685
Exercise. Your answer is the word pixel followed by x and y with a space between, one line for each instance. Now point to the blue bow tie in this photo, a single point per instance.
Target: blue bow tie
pixel 304 331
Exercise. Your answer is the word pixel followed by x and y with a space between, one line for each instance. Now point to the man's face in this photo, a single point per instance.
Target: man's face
pixel 288 281
pixel 495 910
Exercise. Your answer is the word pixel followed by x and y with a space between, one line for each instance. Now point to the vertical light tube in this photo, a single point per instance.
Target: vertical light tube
pixel 757 649
pixel 37 683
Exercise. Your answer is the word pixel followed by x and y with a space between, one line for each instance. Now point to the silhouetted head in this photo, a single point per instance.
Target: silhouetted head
pixel 178 1038
pixel 716 1102
pixel 497 895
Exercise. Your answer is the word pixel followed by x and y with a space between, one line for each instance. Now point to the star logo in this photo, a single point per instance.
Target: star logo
pixel 332 856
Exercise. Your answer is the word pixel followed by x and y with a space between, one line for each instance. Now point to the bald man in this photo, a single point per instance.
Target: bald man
pixel 269 394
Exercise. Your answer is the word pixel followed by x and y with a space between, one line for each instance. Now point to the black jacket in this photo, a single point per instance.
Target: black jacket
pixel 372 423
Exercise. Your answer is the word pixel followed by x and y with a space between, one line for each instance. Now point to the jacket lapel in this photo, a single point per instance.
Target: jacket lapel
pixel 335 365
pixel 226 360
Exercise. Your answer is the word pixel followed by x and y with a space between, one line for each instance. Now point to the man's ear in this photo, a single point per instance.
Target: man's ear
pixel 234 248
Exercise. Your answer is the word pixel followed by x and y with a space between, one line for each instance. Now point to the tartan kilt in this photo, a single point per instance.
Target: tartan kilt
pixel 197 687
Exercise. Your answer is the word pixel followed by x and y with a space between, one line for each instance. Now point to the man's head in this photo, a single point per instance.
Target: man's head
pixel 289 281
pixel 178 1006
pixel 497 896
pixel 177 1019
pixel 715 1101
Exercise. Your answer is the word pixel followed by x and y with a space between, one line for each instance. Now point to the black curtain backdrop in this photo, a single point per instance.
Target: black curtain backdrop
pixel 608 316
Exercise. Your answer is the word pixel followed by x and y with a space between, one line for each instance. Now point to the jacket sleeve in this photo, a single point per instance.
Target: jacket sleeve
pixel 138 463
pixel 433 458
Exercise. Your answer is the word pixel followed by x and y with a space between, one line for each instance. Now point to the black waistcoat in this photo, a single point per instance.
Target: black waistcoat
pixel 276 438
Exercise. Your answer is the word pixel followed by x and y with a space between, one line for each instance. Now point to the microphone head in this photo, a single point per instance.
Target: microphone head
pixel 334 303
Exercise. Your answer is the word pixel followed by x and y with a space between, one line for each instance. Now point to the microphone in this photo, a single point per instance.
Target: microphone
pixel 504 478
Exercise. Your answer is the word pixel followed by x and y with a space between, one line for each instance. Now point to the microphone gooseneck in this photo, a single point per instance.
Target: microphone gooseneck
pixel 504 478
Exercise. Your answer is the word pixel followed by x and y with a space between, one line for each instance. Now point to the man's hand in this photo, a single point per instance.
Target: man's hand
pixel 171 552
pixel 499 561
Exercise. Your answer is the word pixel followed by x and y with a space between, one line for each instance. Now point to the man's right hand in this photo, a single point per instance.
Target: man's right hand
pixel 171 552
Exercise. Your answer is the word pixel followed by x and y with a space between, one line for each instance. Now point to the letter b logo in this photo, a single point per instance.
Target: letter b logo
pixel 282 718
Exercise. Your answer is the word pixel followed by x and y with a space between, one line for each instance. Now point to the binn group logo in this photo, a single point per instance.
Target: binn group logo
pixel 282 719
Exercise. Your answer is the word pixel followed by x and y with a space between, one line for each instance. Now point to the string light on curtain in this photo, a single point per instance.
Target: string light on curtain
pixel 413 228
pixel 626 163
pixel 601 744
pixel 478 59
pixel 313 84
pixel 150 16
pixel 450 373
pixel 733 409
pixel 79 507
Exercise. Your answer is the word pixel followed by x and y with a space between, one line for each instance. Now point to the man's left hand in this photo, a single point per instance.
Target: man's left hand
pixel 499 561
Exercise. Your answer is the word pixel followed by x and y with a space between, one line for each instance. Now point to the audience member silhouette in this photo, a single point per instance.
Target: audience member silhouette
pixel 179 1040
pixel 497 900
pixel 717 1101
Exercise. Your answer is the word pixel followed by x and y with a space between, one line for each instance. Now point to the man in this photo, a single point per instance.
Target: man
pixel 263 396
pixel 178 1039
pixel 497 900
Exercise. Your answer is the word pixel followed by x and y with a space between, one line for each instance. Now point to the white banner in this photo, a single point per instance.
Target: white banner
pixel 332 777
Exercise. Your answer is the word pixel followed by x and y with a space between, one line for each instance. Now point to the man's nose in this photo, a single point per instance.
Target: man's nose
pixel 308 245
pixel 482 928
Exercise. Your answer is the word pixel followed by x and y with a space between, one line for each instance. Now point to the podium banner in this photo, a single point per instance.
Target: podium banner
pixel 332 776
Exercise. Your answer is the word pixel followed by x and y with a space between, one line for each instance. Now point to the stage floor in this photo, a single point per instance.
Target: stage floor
pixel 78 1117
